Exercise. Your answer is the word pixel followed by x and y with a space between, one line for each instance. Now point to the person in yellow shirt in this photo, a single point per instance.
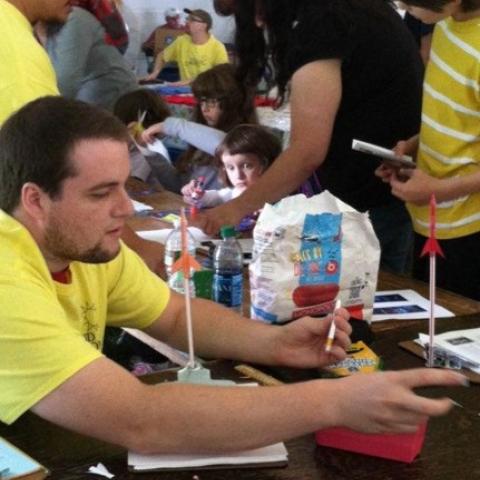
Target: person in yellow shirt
pixel 447 148
pixel 25 69
pixel 65 275
pixel 195 52
pixel 26 73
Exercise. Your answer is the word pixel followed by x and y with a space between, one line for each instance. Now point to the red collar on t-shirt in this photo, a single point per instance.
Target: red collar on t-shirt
pixel 63 276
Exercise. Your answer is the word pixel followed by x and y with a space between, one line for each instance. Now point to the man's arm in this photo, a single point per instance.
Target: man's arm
pixel 222 333
pixel 157 66
pixel 104 401
pixel 315 99
pixel 165 56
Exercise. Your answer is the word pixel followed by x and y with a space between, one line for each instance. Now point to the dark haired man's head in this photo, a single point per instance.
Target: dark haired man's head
pixel 36 144
pixel 63 169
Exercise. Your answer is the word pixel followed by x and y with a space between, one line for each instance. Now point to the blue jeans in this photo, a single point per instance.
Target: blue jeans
pixel 393 228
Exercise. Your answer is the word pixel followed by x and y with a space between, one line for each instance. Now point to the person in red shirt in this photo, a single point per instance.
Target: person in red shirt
pixel 107 13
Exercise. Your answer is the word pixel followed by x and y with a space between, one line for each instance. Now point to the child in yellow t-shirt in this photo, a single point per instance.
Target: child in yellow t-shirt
pixel 447 148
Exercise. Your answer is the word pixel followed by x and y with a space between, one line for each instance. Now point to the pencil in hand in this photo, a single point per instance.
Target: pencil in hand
pixel 331 331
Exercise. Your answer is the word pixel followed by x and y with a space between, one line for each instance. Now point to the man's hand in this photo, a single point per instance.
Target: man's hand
pixel 301 343
pixel 385 402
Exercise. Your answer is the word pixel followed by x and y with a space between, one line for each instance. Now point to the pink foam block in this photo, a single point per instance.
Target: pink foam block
pixel 401 447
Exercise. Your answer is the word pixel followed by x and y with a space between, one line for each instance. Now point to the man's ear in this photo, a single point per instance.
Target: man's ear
pixel 34 201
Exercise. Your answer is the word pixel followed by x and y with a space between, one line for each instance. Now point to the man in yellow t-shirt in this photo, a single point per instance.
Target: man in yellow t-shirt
pixel 25 69
pixel 65 275
pixel 26 73
pixel 194 52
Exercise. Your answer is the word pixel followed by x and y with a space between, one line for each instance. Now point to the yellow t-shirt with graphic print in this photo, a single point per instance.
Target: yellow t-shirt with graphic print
pixel 48 330
pixel 450 131
pixel 194 59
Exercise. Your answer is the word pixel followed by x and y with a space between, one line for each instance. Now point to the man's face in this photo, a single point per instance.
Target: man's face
pixel 173 22
pixel 53 10
pixel 86 221
pixel 195 24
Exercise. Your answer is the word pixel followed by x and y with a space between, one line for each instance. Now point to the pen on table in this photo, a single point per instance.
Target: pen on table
pixel 331 331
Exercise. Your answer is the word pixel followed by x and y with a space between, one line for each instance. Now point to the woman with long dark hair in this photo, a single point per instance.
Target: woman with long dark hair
pixel 350 69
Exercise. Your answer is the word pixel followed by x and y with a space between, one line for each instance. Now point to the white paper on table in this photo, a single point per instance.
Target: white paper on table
pixel 174 355
pixel 410 306
pixel 462 343
pixel 139 206
pixel 270 454
pixel 161 234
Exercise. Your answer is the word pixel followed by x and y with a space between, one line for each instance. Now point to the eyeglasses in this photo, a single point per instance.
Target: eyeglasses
pixel 209 102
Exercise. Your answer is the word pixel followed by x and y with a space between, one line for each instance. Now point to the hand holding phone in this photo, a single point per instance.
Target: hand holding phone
pixel 388 156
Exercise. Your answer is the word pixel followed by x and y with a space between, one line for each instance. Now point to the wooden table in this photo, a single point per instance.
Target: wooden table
pixel 451 449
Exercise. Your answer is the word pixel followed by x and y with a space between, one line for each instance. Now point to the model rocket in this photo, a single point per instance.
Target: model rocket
pixel 193 372
pixel 431 248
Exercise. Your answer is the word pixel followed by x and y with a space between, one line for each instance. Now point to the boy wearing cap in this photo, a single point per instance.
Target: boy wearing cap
pixel 195 52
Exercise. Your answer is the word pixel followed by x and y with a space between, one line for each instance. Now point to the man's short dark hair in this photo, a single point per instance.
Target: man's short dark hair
pixel 36 143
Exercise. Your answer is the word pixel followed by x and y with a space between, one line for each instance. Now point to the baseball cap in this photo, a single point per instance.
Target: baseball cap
pixel 200 15
pixel 172 12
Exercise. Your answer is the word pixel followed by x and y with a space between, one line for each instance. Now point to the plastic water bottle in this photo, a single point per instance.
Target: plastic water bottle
pixel 173 250
pixel 228 275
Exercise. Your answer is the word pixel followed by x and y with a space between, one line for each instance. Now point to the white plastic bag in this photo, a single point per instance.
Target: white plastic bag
pixel 308 252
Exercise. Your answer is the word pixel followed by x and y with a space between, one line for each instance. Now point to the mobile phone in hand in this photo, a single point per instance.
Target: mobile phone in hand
pixel 387 156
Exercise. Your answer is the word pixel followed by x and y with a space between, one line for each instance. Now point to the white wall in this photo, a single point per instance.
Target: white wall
pixel 142 16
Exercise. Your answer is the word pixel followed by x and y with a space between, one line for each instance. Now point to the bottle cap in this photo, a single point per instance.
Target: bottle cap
pixel 227 231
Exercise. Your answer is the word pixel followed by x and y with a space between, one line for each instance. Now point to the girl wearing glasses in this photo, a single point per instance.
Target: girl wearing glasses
pixel 222 105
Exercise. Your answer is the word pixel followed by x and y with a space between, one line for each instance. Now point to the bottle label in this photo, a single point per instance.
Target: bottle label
pixel 228 289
